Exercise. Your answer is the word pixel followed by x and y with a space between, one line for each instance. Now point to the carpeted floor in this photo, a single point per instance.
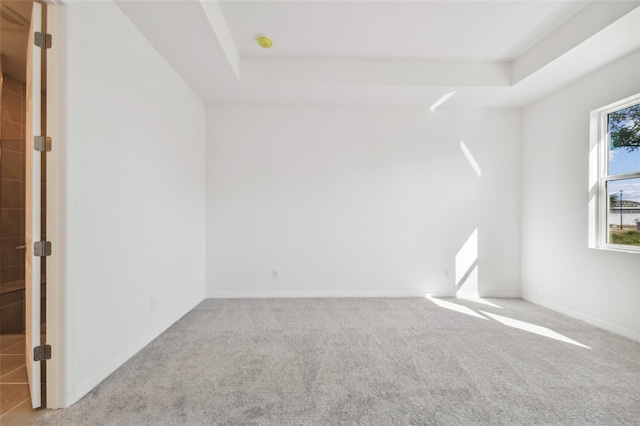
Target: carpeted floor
pixel 371 362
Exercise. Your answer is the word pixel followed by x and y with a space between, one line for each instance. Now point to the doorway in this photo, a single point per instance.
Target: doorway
pixel 19 274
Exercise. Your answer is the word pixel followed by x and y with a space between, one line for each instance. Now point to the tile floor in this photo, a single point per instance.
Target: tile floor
pixel 15 401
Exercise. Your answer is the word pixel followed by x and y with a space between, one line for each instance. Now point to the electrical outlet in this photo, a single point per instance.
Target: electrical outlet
pixel 153 304
pixel 275 274
pixel 446 272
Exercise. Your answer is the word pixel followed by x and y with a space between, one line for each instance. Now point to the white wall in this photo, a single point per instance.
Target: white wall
pixel 136 196
pixel 558 270
pixel 347 201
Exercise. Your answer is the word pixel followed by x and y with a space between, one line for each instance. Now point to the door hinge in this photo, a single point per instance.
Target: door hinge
pixel 42 248
pixel 42 143
pixel 43 40
pixel 42 352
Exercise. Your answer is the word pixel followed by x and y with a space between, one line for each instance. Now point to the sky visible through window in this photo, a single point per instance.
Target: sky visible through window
pixel 624 151
pixel 630 188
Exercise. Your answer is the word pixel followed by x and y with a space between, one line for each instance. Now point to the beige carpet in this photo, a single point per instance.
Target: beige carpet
pixel 371 362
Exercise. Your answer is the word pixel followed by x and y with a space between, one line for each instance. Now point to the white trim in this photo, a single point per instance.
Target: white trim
pixel 617 248
pixel 502 295
pixel 32 199
pixel 308 294
pixel 599 177
pixel 56 320
pixel 219 26
pixel 481 295
pixel 343 294
pixel 607 326
pixel 623 176
pixel 621 104
pixel 85 387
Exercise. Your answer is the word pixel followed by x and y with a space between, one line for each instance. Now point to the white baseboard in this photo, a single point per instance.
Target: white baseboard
pixel 503 295
pixel 338 294
pixel 629 334
pixel 307 294
pixel 86 386
pixel 492 295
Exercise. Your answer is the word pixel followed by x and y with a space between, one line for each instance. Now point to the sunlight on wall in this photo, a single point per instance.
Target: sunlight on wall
pixel 593 168
pixel 442 99
pixel 470 158
pixel 594 143
pixel 457 308
pixel 592 219
pixel 532 328
pixel 469 284
pixel 466 267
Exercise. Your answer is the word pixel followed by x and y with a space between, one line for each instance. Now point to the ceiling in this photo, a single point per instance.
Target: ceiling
pixel 392 29
pixel 489 53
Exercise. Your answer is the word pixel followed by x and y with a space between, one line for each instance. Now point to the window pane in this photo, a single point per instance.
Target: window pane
pixel 624 140
pixel 624 212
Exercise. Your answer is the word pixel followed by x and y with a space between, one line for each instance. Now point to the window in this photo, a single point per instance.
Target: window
pixel 615 176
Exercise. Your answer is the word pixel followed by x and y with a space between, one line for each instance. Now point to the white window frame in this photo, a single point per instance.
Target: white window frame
pixel 599 176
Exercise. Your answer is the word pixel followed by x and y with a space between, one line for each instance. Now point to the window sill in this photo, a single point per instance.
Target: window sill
pixel 619 249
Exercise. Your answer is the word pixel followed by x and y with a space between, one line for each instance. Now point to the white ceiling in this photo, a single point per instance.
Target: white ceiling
pixel 399 53
pixel 392 29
